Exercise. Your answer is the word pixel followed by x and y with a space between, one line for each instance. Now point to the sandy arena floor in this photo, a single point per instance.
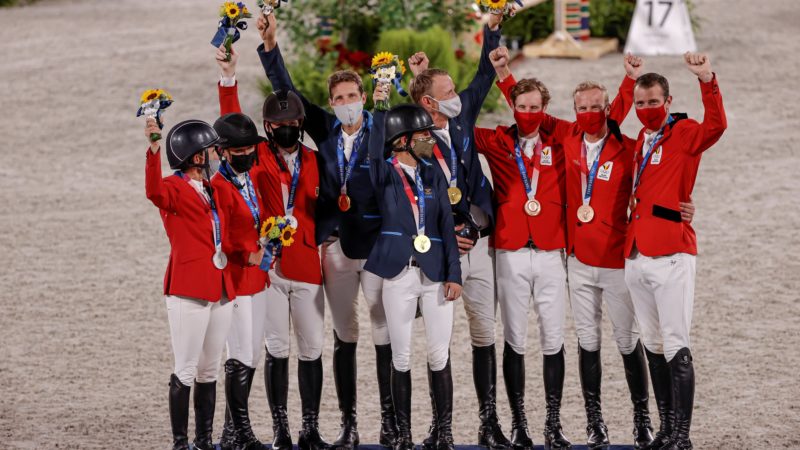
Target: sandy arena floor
pixel 85 357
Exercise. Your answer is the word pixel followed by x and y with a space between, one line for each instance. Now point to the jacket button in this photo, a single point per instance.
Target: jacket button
pixel 637 217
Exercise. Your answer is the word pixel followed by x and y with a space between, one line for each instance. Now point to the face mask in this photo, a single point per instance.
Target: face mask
pixel 450 107
pixel 213 166
pixel 528 122
pixel 242 163
pixel 591 122
pixel 349 114
pixel 286 136
pixel 652 118
pixel 423 148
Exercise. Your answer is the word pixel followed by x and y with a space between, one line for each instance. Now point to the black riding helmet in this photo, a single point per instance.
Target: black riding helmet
pixel 405 120
pixel 283 106
pixel 237 130
pixel 188 138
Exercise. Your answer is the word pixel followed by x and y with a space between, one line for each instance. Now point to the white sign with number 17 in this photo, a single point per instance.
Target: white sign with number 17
pixel 660 27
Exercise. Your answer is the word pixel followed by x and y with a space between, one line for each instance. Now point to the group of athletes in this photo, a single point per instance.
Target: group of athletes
pixel 395 202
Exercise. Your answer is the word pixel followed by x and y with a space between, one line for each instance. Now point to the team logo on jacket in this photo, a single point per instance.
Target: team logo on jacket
pixel 604 171
pixel 656 158
pixel 547 156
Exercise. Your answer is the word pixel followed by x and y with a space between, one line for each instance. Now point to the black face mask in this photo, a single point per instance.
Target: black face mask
pixel 286 136
pixel 242 163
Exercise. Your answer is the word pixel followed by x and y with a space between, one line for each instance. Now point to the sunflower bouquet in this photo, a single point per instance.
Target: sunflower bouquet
pixel 152 103
pixel 231 21
pixel 276 232
pixel 505 7
pixel 387 68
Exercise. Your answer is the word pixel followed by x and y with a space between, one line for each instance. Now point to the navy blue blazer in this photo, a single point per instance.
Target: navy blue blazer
pixel 473 184
pixel 395 246
pixel 358 227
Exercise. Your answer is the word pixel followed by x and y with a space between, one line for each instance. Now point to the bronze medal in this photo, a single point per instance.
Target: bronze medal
pixel 344 202
pixel 533 207
pixel 585 213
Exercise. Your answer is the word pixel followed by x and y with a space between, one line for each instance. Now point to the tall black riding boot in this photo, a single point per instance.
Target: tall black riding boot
pixel 553 388
pixel 484 375
pixel 228 439
pixel 383 363
pixel 276 380
pixel 205 398
pixel 591 373
pixel 401 399
pixel 514 376
pixel 636 375
pixel 179 412
pixel 309 377
pixel 682 371
pixel 662 389
pixel 429 443
pixel 442 383
pixel 344 375
pixel 238 380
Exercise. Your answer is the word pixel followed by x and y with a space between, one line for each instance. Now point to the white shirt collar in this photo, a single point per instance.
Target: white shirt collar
pixel 348 141
pixel 528 144
pixel 444 133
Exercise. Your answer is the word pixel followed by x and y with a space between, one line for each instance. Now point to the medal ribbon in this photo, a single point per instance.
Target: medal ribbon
pixel 646 159
pixel 247 191
pixel 346 171
pixel 418 205
pixel 289 192
pixel 449 172
pixel 587 186
pixel 532 183
pixel 213 206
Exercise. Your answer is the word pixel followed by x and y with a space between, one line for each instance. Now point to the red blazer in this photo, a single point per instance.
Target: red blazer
pixel 513 226
pixel 242 237
pixel 600 243
pixel 188 223
pixel 671 181
pixel 299 261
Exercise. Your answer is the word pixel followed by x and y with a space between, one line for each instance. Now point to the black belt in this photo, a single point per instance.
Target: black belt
pixel 335 233
pixel 485 232
pixel 530 244
pixel 413 263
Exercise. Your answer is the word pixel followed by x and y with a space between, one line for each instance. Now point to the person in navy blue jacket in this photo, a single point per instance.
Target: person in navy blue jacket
pixel 347 224
pixel 454 114
pixel 417 256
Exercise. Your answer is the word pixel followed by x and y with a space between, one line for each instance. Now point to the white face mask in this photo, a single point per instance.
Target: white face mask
pixel 349 114
pixel 450 107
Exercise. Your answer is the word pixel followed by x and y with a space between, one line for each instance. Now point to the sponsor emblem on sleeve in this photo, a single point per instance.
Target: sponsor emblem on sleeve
pixel 604 172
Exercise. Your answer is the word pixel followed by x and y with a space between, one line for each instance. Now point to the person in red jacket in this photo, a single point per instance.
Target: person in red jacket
pixel 287 179
pixel 242 205
pixel 659 246
pixel 198 289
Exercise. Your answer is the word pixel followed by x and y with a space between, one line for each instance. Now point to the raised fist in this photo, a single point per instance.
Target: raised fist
pixel 418 63
pixel 267 28
pixel 499 57
pixel 700 65
pixel 634 65
pixel 228 67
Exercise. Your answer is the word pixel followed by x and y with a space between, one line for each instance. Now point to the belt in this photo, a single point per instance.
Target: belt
pixel 413 263
pixel 530 244
pixel 335 233
pixel 485 232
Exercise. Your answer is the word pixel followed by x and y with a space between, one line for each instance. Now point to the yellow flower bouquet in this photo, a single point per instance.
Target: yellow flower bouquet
pixel 387 68
pixel 232 15
pixel 152 103
pixel 276 232
pixel 505 7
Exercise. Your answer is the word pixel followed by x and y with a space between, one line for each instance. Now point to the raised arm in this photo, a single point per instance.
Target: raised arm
pixel 227 87
pixel 378 169
pixel 473 96
pixel 156 190
pixel 621 105
pixel 318 122
pixel 701 136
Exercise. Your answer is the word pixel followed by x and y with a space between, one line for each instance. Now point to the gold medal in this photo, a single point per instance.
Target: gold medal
pixel 422 243
pixel 585 213
pixel 533 207
pixel 344 202
pixel 454 194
